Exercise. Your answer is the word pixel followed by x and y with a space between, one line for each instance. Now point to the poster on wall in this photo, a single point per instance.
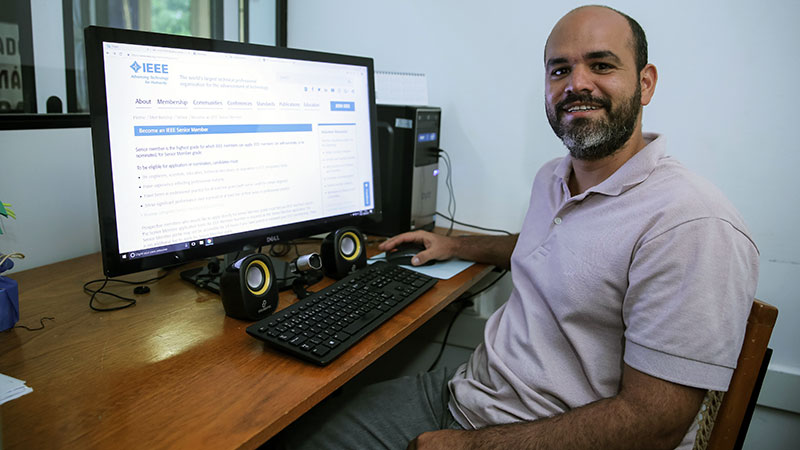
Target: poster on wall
pixel 10 69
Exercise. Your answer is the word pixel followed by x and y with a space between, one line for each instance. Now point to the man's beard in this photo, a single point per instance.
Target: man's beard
pixel 593 139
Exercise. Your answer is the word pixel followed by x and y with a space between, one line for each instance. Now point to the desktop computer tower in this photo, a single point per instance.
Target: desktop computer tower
pixel 408 137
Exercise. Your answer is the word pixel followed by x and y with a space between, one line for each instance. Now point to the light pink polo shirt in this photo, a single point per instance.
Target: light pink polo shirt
pixel 653 267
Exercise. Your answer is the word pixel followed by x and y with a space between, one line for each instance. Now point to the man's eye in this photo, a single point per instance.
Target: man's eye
pixel 602 67
pixel 560 72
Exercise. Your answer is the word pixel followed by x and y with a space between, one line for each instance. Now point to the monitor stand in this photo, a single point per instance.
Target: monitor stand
pixel 207 277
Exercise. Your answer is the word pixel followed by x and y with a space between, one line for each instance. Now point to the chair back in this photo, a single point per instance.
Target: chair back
pixel 725 416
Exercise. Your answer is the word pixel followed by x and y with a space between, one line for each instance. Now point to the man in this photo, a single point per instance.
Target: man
pixel 632 280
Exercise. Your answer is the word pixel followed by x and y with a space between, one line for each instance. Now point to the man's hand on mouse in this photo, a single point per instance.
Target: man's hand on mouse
pixel 437 247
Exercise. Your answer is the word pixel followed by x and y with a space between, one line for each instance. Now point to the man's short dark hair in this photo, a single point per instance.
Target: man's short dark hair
pixel 639 40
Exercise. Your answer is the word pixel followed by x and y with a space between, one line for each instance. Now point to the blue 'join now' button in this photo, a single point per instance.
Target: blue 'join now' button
pixel 343 106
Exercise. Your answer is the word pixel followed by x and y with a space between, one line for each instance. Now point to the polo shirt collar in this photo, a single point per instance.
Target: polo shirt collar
pixel 633 172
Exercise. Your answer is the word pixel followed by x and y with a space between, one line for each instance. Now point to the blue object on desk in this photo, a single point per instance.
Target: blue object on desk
pixel 7 264
pixel 9 303
pixel 9 298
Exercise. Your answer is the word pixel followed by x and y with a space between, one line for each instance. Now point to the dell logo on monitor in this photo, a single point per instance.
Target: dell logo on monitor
pixel 150 67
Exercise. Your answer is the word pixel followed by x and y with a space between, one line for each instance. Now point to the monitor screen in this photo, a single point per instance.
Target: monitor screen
pixel 202 147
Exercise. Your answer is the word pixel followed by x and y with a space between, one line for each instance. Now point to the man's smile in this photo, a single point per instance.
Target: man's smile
pixel 580 110
pixel 576 108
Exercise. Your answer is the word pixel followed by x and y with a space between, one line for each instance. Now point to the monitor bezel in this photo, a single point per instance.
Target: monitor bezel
pixel 113 265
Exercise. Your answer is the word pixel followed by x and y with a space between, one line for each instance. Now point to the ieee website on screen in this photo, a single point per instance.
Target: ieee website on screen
pixel 206 144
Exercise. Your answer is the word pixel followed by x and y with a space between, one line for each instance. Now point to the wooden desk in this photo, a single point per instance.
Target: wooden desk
pixel 172 371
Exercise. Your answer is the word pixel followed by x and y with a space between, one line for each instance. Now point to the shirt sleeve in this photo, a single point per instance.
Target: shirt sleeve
pixel 686 307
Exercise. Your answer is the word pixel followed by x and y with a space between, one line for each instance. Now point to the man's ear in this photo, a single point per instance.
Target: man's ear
pixel 647 80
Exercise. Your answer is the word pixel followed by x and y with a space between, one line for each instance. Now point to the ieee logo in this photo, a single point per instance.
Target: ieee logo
pixel 150 67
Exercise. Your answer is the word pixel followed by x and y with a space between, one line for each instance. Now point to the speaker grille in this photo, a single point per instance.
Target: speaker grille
pixel 257 277
pixel 349 246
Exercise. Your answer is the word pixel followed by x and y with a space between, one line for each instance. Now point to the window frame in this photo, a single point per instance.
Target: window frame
pixel 27 68
pixel 40 120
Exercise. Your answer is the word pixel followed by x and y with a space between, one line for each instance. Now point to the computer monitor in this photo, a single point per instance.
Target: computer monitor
pixel 203 147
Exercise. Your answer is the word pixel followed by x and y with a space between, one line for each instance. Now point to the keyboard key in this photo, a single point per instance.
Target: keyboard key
pixel 285 336
pixel 362 322
pixel 297 340
pixel 341 336
pixel 320 350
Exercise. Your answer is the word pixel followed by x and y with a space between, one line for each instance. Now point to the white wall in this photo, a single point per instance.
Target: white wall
pixel 726 69
pixel 48 176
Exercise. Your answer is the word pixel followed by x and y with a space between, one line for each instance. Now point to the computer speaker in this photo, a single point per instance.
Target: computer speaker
pixel 343 251
pixel 249 288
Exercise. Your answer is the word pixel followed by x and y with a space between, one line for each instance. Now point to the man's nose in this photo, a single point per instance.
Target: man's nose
pixel 580 80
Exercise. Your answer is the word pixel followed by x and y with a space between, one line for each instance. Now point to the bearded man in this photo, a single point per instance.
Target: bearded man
pixel 632 281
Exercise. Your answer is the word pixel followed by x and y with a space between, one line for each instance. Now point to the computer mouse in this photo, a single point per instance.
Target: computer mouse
pixel 403 254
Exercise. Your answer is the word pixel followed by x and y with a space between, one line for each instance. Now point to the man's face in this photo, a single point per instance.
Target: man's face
pixel 593 94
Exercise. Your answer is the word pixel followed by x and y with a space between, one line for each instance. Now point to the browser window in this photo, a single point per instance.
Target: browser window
pixel 208 144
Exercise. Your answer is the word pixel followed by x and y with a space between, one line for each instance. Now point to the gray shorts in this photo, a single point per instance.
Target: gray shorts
pixel 384 415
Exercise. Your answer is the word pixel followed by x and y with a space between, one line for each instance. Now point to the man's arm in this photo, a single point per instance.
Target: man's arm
pixel 494 250
pixel 648 413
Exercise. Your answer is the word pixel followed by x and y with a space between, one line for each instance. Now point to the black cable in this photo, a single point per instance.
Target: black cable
pixel 41 323
pixel 283 248
pixel 473 226
pixel 302 282
pixel 475 294
pixel 464 305
pixel 451 200
pixel 129 301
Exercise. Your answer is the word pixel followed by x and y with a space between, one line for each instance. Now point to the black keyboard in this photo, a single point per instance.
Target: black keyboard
pixel 325 324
